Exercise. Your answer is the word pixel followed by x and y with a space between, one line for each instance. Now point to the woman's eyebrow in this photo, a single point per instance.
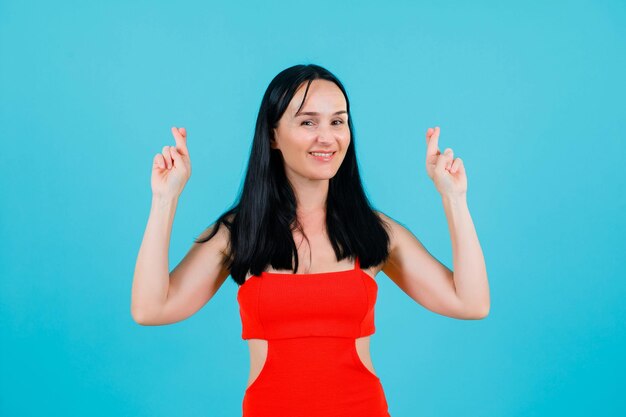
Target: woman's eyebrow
pixel 314 113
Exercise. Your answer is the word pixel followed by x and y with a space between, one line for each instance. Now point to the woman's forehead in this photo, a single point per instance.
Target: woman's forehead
pixel 323 96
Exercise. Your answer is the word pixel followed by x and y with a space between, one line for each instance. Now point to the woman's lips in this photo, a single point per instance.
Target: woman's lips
pixel 322 158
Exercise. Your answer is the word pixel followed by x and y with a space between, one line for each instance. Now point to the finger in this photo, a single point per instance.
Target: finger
pixel 183 132
pixel 432 141
pixel 453 166
pixel 167 156
pixel 181 140
pixel 158 161
pixel 456 165
pixel 443 161
pixel 178 161
pixel 450 157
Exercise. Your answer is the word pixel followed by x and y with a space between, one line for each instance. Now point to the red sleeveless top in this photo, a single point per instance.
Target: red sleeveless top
pixel 279 305
pixel 311 322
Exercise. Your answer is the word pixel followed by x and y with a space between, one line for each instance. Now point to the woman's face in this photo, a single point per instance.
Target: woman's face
pixel 321 126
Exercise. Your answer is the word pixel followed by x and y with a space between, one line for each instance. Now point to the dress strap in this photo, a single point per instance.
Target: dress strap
pixel 357 266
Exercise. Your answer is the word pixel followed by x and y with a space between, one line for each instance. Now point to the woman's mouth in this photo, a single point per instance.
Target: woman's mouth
pixel 322 156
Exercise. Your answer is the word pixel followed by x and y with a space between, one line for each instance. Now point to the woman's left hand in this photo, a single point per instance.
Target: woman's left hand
pixel 447 172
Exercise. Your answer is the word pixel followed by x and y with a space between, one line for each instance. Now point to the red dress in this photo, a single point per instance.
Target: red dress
pixel 311 321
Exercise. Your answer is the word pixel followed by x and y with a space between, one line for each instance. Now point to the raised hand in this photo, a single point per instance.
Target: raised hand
pixel 172 167
pixel 447 173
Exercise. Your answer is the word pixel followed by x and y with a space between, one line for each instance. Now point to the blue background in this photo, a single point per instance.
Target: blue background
pixel 530 95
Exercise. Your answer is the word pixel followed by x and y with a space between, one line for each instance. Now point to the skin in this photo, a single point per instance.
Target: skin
pixel 299 134
pixel 462 293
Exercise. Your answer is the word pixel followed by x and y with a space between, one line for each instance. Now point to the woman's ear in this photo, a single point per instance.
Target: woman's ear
pixel 273 143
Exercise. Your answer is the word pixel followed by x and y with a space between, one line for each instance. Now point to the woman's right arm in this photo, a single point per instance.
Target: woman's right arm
pixel 159 297
pixel 151 278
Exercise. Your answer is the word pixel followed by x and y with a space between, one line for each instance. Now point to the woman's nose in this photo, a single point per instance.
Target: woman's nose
pixel 325 135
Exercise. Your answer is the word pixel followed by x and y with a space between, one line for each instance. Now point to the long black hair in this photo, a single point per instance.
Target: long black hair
pixel 261 222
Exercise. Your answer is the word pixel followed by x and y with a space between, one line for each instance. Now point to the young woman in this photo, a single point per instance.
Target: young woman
pixel 304 245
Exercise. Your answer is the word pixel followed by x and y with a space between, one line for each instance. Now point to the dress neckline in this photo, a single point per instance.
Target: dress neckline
pixel 356 269
pixel 309 274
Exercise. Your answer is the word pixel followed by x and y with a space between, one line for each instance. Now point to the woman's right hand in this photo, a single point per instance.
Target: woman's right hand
pixel 172 167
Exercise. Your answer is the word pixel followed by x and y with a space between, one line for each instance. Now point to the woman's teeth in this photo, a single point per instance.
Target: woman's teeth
pixel 321 154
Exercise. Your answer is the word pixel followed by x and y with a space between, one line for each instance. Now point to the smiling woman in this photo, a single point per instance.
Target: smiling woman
pixel 308 331
pixel 322 136
pixel 309 328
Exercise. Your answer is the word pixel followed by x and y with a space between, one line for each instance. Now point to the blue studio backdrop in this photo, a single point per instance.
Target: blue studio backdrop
pixel 529 94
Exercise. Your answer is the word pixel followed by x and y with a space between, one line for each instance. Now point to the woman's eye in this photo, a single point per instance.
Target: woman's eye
pixel 305 123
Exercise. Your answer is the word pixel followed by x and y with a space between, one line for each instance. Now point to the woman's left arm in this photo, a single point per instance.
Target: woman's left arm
pixel 470 272
pixel 463 293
